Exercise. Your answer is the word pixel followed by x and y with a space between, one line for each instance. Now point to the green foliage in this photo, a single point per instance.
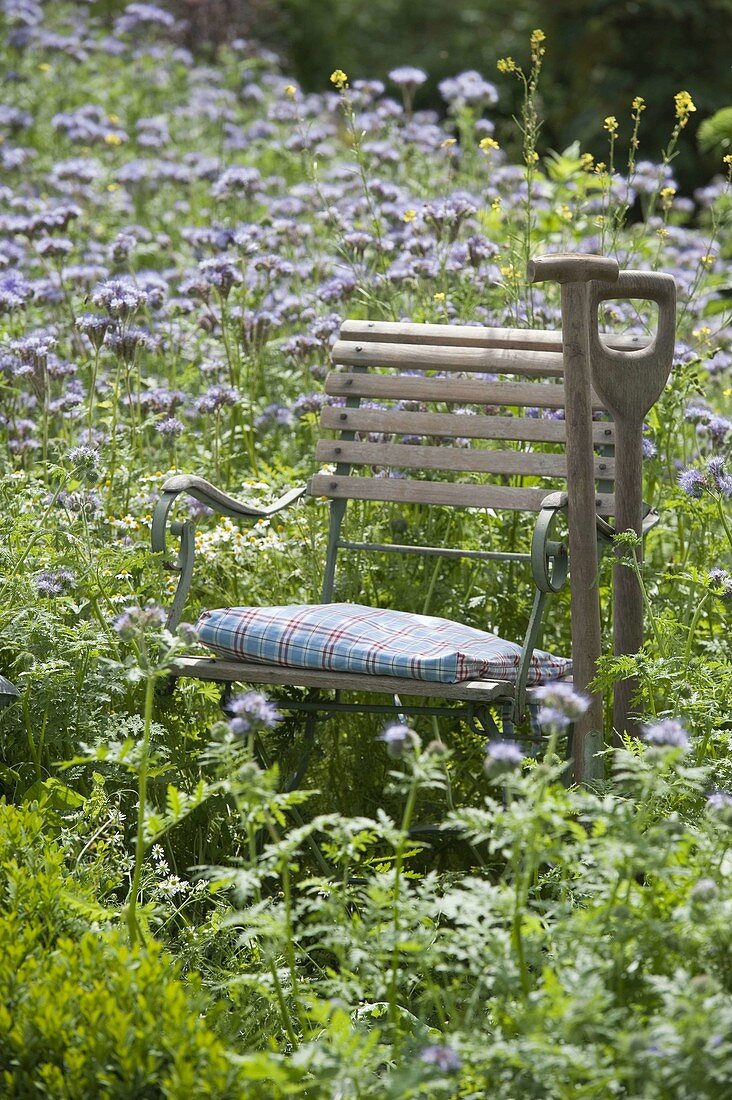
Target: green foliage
pixel 82 1014
pixel 167 925
pixel 715 133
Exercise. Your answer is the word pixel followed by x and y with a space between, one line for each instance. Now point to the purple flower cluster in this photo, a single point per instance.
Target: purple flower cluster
pixel 442 1057
pixel 54 582
pixel 398 738
pixel 136 621
pixel 250 712
pixel 560 705
pixel 667 734
pixel 502 757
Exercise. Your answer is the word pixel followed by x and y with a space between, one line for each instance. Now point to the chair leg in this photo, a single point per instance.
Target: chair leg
pixel 308 743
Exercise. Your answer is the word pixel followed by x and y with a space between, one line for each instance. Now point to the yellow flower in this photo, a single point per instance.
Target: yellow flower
pixel 439 296
pixel 684 107
pixel 113 139
pixel 291 90
pixel 727 160
pixel 506 65
pixel 537 49
pixel 638 104
pixel 588 162
pixel 44 67
pixel 611 125
pixel 448 143
pixel 339 78
pixel 409 215
pixel 487 145
pixel 667 197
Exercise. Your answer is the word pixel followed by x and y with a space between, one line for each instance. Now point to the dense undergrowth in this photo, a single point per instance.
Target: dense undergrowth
pixel 178 246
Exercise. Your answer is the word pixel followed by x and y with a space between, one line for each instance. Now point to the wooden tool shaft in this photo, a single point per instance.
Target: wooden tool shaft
pixel 583 556
pixel 628 596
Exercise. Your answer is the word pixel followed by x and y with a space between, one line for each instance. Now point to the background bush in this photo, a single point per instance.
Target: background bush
pixel 603 53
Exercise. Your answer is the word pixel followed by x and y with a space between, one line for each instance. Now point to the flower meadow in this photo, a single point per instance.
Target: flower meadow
pixel 179 243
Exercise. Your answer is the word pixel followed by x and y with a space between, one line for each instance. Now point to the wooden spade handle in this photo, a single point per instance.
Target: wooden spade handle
pixel 575 272
pixel 630 382
pixel 572 267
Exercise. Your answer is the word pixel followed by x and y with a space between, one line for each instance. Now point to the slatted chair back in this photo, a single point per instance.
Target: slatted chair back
pixel 466 416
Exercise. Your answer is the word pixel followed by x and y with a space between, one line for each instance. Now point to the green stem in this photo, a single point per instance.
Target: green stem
pixel 723 518
pixel 692 630
pixel 396 896
pixel 133 927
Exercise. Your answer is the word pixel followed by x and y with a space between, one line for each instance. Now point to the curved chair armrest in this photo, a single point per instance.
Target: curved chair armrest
pixel 220 502
pixel 549 561
pixel 216 499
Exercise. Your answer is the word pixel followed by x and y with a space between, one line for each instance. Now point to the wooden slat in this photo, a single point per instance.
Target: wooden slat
pixel 408 456
pixel 247 672
pixel 454 390
pixel 476 336
pixel 533 364
pixel 452 425
pixel 457 494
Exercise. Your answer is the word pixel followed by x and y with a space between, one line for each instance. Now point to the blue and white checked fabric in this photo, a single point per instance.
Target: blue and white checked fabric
pixel 347 637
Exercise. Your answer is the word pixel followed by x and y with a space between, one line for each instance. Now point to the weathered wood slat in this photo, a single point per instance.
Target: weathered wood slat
pixel 532 364
pixel 422 457
pixel 477 336
pixel 452 425
pixel 247 672
pixel 456 391
pixel 456 494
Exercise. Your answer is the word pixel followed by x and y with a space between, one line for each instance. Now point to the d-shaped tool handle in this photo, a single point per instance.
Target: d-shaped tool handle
pixel 571 267
pixel 630 382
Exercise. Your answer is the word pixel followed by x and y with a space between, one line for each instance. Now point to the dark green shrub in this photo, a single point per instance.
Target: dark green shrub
pixel 81 1013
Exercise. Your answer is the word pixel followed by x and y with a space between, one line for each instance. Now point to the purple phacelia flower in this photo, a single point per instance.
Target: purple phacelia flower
pixel 245 182
pixel 668 734
pixel 468 89
pixel 136 620
pixel 120 297
pixel 720 582
pixel 398 738
pixel 94 326
pixel 502 757
pixel 250 711
pixel 170 428
pixel 54 582
pixel 216 398
pixel 14 292
pixel 693 482
pixel 561 705
pixel 443 1057
pixel 220 272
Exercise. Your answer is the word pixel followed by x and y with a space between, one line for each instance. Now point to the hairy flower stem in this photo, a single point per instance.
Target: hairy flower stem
pixel 396 898
pixel 133 927
pixel 692 630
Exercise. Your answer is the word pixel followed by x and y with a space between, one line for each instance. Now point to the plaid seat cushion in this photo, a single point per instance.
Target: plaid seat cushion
pixel 346 637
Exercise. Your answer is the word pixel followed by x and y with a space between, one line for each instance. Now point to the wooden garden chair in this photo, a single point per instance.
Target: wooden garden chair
pixel 515 462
